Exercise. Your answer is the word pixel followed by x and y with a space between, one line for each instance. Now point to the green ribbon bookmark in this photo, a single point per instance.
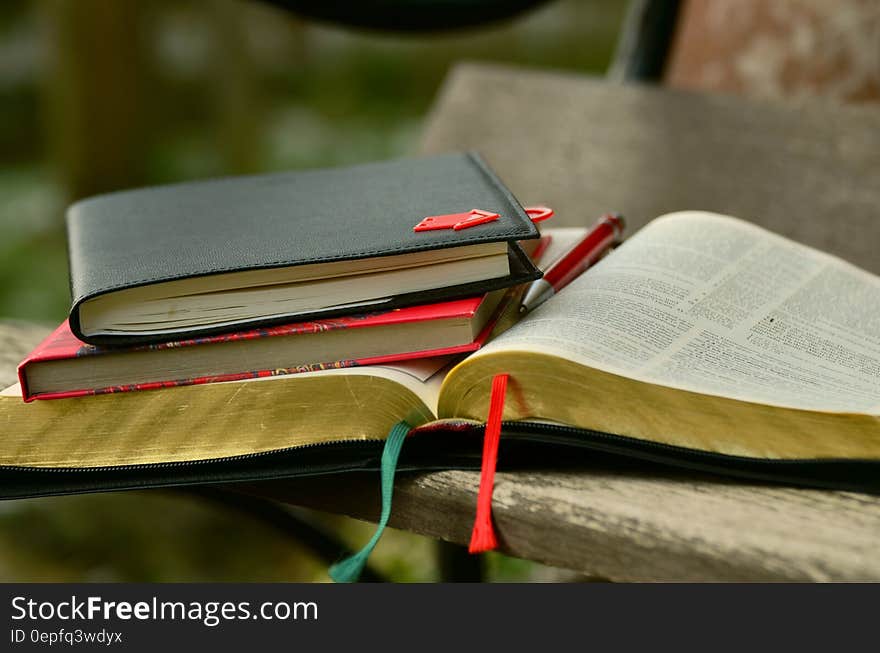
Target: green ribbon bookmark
pixel 349 570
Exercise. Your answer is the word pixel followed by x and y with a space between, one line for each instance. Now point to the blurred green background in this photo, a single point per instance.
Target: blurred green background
pixel 98 95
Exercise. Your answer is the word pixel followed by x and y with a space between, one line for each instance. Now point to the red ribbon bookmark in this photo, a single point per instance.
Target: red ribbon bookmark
pixel 483 536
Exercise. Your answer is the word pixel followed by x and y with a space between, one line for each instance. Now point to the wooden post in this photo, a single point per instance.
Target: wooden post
pixel 96 96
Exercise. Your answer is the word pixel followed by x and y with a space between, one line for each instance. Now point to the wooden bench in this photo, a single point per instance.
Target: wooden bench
pixel 585 147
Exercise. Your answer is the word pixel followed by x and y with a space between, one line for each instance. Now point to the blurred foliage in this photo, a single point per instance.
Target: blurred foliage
pixel 97 95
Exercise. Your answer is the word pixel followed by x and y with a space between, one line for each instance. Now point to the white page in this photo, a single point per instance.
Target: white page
pixel 716 305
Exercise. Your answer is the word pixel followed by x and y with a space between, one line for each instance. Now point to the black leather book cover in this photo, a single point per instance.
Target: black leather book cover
pixel 139 237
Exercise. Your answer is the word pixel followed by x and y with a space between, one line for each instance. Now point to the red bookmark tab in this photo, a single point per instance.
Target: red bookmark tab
pixel 483 536
pixel 447 221
pixel 476 217
pixel 456 221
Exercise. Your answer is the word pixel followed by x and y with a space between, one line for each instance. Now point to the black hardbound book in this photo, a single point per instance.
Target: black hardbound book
pixel 192 259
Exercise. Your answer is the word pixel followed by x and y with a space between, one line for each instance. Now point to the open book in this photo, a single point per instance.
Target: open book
pixel 703 340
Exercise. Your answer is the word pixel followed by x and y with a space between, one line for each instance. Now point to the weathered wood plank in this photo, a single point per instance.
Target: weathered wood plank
pixel 629 524
pixel 585 146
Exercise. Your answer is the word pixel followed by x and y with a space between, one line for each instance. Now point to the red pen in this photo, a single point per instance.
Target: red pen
pixel 607 231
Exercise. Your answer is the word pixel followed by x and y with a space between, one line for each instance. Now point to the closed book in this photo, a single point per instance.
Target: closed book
pixel 207 257
pixel 63 366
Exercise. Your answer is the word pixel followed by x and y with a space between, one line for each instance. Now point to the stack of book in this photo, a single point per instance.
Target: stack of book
pixel 703 341
pixel 251 277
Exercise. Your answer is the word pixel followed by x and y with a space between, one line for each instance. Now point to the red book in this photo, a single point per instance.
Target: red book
pixel 64 366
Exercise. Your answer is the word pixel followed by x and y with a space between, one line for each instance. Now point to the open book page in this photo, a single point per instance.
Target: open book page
pixel 218 420
pixel 716 305
pixel 422 376
pixel 13 391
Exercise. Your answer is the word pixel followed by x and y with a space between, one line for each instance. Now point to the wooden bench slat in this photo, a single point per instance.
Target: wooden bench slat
pixel 586 146
pixel 632 525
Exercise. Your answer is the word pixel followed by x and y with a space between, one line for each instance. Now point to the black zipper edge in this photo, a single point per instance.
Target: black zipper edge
pixel 848 474
pixel 516 430
pixel 830 473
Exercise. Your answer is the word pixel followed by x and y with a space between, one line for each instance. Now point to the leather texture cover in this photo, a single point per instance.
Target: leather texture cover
pixel 139 237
